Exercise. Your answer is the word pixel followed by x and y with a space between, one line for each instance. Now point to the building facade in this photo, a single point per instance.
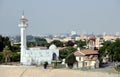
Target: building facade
pixel 87 58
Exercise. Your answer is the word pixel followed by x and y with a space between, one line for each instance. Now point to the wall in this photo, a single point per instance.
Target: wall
pixel 39 56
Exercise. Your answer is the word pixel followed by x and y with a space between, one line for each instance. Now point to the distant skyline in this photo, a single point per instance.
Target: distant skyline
pixel 60 16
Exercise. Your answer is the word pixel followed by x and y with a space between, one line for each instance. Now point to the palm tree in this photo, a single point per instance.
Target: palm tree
pixel 6 53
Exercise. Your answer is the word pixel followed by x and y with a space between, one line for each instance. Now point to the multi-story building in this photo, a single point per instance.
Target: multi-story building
pixel 87 58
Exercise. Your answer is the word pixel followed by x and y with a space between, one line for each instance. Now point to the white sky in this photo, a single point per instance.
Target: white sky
pixel 60 16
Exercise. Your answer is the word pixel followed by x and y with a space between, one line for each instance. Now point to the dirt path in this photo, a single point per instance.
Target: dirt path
pixel 32 71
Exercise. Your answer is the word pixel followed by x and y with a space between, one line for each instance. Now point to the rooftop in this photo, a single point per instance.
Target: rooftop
pixel 86 52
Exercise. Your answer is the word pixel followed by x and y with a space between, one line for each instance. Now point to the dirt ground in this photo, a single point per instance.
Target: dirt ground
pixel 33 71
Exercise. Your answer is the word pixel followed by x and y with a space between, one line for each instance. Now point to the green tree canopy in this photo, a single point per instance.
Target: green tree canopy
pixel 57 43
pixel 69 43
pixel 111 49
pixel 6 50
pixel 31 43
pixel 80 43
pixel 3 42
pixel 66 51
pixel 40 41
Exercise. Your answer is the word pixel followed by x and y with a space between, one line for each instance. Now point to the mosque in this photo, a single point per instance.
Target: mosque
pixel 38 56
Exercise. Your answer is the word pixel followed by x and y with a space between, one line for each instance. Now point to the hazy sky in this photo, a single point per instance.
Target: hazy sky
pixel 60 16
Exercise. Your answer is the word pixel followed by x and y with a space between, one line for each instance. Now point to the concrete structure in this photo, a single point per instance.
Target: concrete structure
pixel 34 55
pixel 87 58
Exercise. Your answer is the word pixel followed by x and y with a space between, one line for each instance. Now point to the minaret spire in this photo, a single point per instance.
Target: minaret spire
pixel 23 25
pixel 23 13
pixel 23 19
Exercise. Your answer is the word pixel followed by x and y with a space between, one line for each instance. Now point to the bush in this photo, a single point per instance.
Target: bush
pixel 45 64
pixel 55 64
pixel 15 57
pixel 117 68
pixel 1 57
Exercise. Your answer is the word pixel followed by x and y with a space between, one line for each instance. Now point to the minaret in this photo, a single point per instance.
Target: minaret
pixel 23 27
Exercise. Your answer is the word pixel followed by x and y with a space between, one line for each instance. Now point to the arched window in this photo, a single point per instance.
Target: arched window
pixel 54 56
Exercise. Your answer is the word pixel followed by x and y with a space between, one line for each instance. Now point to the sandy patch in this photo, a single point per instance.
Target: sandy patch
pixel 32 71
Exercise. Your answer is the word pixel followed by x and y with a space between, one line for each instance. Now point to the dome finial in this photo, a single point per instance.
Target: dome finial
pixel 23 14
pixel 23 19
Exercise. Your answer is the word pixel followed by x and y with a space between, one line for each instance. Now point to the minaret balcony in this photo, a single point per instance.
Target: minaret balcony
pixel 22 25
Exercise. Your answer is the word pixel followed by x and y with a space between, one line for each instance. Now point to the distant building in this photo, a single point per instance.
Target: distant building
pixel 73 33
pixel 109 38
pixel 91 42
pixel 99 42
pixel 35 55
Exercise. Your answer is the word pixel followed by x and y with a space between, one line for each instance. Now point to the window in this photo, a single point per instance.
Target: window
pixel 80 58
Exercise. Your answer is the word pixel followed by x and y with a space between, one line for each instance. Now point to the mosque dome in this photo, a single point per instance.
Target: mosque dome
pixel 52 47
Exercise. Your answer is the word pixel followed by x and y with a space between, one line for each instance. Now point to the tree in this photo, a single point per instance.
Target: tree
pixel 57 43
pixel 1 57
pixel 6 42
pixel 6 54
pixel 70 60
pixel 110 49
pixel 105 50
pixel 66 51
pixel 3 42
pixel 6 50
pixel 31 43
pixel 37 42
pixel 15 48
pixel 116 50
pixel 70 43
pixel 80 43
pixel 40 41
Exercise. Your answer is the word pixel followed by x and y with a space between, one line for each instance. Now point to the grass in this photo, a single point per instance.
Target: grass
pixel 117 68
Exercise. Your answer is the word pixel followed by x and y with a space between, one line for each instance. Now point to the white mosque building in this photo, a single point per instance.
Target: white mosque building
pixel 34 55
